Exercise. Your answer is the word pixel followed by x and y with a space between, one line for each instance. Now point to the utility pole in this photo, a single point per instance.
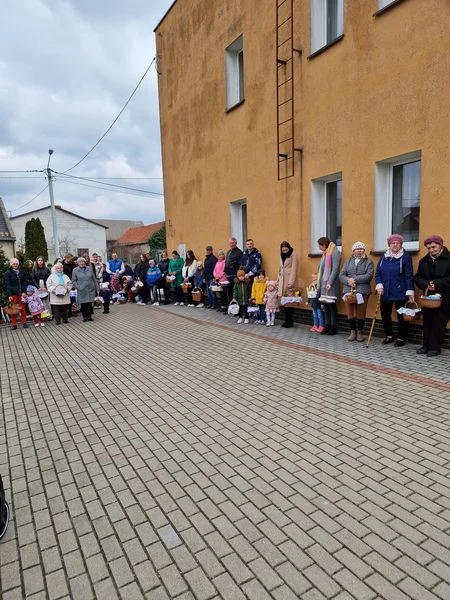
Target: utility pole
pixel 52 205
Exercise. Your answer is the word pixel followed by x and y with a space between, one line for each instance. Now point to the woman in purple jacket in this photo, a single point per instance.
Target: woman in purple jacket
pixel 394 285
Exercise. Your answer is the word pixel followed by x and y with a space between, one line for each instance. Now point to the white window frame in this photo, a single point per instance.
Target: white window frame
pixel 319 19
pixel 319 208
pixel 383 3
pixel 236 221
pixel 383 199
pixel 234 77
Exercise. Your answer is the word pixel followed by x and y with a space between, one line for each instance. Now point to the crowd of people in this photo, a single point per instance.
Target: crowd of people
pixel 234 282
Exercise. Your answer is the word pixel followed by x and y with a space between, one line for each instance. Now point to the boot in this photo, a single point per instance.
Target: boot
pixel 325 330
pixel 360 337
pixel 352 325
pixel 352 336
pixel 333 330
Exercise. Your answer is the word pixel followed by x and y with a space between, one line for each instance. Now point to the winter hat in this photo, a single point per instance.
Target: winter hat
pixel 240 273
pixel 30 288
pixel 358 246
pixel 395 237
pixel 434 238
pixel 272 284
pixel 14 261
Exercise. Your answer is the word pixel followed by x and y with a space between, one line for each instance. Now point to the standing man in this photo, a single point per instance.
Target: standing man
pixel 208 268
pixel 251 260
pixel 232 264
pixel 115 265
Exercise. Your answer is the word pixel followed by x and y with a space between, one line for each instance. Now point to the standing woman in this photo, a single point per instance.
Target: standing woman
pixel 140 274
pixel 287 279
pixel 220 277
pixel 356 275
pixel 433 273
pixel 39 275
pixel 86 284
pixel 328 282
pixel 189 270
pixel 394 284
pixel 59 286
pixel 163 266
pixel 15 282
pixel 175 267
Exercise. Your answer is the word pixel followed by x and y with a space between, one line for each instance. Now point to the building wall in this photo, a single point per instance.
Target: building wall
pixel 80 233
pixel 380 92
pixel 7 247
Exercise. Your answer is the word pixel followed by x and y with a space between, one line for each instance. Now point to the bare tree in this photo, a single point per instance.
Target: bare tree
pixel 66 244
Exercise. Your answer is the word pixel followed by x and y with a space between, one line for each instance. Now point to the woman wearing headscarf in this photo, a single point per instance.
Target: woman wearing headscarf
pixel 59 286
pixel 328 283
pixel 86 284
pixel 433 274
pixel 287 279
pixel 394 285
pixel 356 275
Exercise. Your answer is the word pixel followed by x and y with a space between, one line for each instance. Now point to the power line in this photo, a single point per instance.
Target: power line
pixel 123 187
pixel 128 178
pixel 96 187
pixel 30 201
pixel 29 171
pixel 14 177
pixel 116 119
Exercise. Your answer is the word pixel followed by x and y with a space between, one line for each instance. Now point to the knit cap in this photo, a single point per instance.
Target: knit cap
pixel 358 246
pixel 434 238
pixel 395 237
pixel 30 288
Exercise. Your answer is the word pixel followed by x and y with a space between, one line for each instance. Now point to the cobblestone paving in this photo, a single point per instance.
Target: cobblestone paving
pixel 164 453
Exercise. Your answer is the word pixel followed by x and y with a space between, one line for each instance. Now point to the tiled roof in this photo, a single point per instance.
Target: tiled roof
pixel 117 227
pixel 6 231
pixel 139 235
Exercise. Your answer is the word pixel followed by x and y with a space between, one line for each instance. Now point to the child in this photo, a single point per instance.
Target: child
pixel 105 292
pixel 313 299
pixel 271 302
pixel 259 288
pixel 241 293
pixel 152 278
pixel 35 305
pixel 198 283
pixel 114 285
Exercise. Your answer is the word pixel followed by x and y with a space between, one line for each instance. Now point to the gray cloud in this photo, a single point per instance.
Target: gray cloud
pixel 66 69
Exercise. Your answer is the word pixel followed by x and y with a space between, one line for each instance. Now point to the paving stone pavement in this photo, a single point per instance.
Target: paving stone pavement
pixel 170 453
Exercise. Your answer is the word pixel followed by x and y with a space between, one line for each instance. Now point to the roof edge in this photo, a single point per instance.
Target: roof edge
pixel 165 15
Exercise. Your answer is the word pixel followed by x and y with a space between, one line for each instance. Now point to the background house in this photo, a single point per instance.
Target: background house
pixel 77 234
pixel 7 237
pixel 315 118
pixel 116 228
pixel 135 241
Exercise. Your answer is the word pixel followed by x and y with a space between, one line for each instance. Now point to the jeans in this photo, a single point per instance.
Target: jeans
pixel 261 312
pixel 179 296
pixel 318 316
pixel 153 293
pixel 212 301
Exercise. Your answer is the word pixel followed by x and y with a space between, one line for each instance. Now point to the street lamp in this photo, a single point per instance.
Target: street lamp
pixel 52 205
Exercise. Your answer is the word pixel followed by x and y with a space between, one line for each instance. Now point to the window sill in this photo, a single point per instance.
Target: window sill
pixel 227 110
pixel 324 48
pixel 386 8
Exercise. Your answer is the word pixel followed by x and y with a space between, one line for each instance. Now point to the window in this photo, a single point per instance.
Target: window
pixel 326 210
pixel 397 200
pixel 82 251
pixel 327 22
pixel 235 72
pixel 238 213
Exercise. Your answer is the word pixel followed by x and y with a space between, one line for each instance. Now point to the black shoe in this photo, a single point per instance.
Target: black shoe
pixel 422 350
pixel 388 340
pixel 333 331
pixel 66 321
pixel 13 327
pixel 24 326
pixel 57 322
pixel 288 325
pixel 84 320
pixel 89 319
pixel 432 353
pixel 326 329
pixel 399 343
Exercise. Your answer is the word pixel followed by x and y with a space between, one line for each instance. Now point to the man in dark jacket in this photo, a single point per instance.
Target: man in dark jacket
pixel 68 265
pixel 232 264
pixel 15 282
pixel 433 277
pixel 251 260
pixel 208 269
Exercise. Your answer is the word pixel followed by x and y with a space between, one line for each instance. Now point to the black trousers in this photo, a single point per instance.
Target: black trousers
pixel 330 314
pixel 60 311
pixel 434 324
pixel 289 316
pixel 386 317
pixel 87 310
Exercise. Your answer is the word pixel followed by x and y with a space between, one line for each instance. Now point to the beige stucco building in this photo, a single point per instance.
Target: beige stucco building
pixel 289 120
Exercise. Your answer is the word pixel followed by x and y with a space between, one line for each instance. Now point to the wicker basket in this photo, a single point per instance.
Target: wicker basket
pixel 197 295
pixel 426 302
pixel 350 298
pixel 186 287
pixel 216 288
pixel 13 310
pixel 415 317
pixel 291 302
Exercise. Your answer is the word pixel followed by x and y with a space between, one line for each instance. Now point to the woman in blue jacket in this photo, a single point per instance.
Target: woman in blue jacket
pixel 394 285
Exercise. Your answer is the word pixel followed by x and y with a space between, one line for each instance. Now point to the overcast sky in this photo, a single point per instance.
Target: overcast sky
pixel 66 69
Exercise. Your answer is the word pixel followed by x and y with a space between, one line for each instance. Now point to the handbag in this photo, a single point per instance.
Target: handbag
pixel 233 308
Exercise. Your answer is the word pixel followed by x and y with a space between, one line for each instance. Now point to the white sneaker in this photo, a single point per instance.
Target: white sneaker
pixel 201 305
pixel 36 324
pixel 176 303
pixel 139 302
pixel 42 324
pixel 272 324
pixel 245 320
pixel 267 324
pixel 191 305
pixel 181 303
pixel 156 304
pixel 239 320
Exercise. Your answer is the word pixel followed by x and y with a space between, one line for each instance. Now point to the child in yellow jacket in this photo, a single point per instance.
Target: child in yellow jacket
pixel 258 290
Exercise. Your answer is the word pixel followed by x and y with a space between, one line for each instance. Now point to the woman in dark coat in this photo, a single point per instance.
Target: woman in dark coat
pixel 15 282
pixel 39 273
pixel 139 273
pixel 394 285
pixel 163 266
pixel 433 273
